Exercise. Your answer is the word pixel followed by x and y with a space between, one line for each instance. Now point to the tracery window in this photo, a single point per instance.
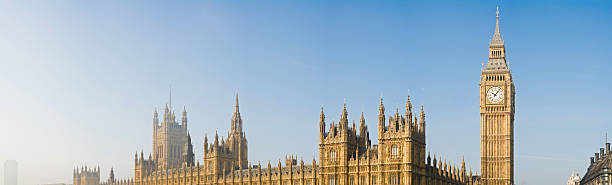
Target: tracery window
pixel 332 155
pixel 394 152
pixel 394 179
pixel 332 180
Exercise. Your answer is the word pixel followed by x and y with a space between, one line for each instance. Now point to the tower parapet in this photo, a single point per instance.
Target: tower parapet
pixel 86 176
pixel 349 158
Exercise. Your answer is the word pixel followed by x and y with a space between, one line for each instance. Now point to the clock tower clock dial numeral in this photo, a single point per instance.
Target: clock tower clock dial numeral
pixel 495 94
pixel 497 99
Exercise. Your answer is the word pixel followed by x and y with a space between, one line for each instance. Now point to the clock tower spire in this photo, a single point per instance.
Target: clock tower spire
pixel 497 115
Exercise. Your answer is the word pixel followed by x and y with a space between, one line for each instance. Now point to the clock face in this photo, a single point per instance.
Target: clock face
pixel 495 95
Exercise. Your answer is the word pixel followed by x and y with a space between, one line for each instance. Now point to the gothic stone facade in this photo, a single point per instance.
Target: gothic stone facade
pixel 91 176
pixel 346 157
pixel 497 116
pixel 346 154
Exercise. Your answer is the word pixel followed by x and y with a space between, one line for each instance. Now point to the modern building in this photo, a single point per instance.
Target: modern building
pixel 10 172
pixel 497 116
pixel 600 168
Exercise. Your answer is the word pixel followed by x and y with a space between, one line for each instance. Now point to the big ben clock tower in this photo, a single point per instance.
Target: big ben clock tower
pixel 497 116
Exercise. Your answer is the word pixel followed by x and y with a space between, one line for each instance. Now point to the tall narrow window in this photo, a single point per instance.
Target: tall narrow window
pixel 332 155
pixel 394 152
pixel 374 180
pixel 332 180
pixel 394 179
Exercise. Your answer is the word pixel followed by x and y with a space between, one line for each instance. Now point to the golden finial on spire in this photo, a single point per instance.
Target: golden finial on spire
pixel 497 13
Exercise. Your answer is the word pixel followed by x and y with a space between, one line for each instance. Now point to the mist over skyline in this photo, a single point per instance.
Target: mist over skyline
pixel 80 80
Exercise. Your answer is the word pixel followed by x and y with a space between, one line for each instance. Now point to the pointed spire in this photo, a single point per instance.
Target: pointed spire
pixel 362 125
pixel 322 124
pixel 497 53
pixel 422 122
pixel 344 115
pixel 322 116
pixel 112 175
pixel 470 173
pixel 408 109
pixel 343 123
pixel 236 105
pixel 236 123
pixel 396 111
pixel 497 39
pixel 155 118
pixel 205 144
pixel 184 119
pixel 381 108
pixel 381 118
pixel 216 139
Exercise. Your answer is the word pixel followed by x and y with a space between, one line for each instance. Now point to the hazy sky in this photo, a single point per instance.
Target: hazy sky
pixel 79 81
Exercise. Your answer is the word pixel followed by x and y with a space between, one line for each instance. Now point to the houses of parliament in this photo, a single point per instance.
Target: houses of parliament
pixel 346 155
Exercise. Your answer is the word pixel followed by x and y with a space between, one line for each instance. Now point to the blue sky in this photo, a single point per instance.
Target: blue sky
pixel 80 80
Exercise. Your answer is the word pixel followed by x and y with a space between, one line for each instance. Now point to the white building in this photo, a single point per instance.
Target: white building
pixel 574 179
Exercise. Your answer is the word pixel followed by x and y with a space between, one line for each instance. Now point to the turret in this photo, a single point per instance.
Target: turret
pixel 216 144
pixel 321 126
pixel 381 118
pixel 343 123
pixel 155 119
pixel 422 122
pixel 463 168
pixel 184 120
pixel 111 177
pixel 205 144
pixel 236 119
pixel 166 116
pixel 408 110
pixel 394 122
pixel 363 132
